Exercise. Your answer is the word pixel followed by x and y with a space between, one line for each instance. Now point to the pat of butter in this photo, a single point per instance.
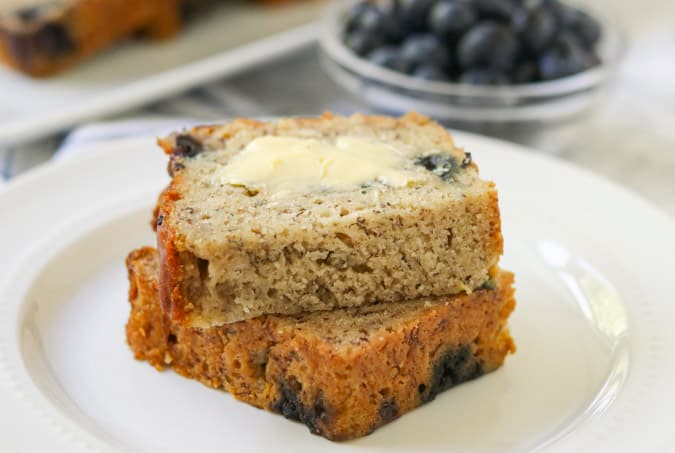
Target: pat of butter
pixel 290 165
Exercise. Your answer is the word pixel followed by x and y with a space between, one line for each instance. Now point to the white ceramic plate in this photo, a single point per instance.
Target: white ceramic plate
pixel 230 38
pixel 593 371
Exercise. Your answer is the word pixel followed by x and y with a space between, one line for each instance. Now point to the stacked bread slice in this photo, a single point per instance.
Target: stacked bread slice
pixel 339 271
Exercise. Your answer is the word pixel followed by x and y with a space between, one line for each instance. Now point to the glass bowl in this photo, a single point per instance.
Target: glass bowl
pixel 484 108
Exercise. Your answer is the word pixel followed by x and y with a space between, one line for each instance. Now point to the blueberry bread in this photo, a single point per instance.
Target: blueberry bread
pixel 43 37
pixel 342 373
pixel 311 214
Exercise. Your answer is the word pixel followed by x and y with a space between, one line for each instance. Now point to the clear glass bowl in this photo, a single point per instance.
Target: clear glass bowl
pixel 473 107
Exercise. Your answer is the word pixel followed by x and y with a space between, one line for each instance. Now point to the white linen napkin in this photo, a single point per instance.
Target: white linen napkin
pixel 84 137
pixel 16 160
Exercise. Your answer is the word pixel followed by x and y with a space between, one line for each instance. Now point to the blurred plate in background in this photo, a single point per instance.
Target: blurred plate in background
pixel 226 40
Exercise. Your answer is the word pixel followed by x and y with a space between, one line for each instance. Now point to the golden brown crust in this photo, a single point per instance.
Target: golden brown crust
pixel 144 324
pixel 170 267
pixel 82 30
pixel 342 382
pixel 496 237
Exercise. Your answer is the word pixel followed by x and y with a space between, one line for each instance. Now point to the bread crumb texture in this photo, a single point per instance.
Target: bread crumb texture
pixel 232 252
pixel 343 373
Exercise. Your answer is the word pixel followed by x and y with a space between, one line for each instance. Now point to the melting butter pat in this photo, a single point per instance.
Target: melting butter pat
pixel 289 165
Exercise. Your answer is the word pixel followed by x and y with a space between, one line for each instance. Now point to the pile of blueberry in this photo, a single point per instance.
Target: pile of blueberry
pixel 479 42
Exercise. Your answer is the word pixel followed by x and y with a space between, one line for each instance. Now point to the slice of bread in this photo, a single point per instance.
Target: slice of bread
pixel 235 250
pixel 342 373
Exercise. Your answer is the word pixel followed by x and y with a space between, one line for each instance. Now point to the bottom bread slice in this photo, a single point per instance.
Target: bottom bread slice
pixel 342 373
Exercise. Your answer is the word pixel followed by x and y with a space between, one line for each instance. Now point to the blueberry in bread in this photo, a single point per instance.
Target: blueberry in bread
pixel 309 214
pixel 343 373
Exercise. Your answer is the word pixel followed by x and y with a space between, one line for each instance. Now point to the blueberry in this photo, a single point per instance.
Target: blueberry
pixel 483 76
pixel 565 14
pixel 390 7
pixel 390 57
pixel 519 19
pixel 49 40
pixel 540 29
pixel 553 64
pixel 354 13
pixel 565 58
pixel 29 13
pixel 588 30
pixel 373 20
pixel 583 25
pixel 571 44
pixel 362 42
pixel 501 10
pixel 451 18
pixel 425 48
pixel 488 44
pixel 414 14
pixel 187 145
pixel 391 10
pixel 524 72
pixel 441 164
pixel 430 72
pixel 54 40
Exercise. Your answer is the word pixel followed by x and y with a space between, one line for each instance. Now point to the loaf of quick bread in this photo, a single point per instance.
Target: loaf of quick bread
pixel 43 37
pixel 343 373
pixel 310 214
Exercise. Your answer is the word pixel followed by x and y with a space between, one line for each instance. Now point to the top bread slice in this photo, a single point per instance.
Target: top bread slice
pixel 230 251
